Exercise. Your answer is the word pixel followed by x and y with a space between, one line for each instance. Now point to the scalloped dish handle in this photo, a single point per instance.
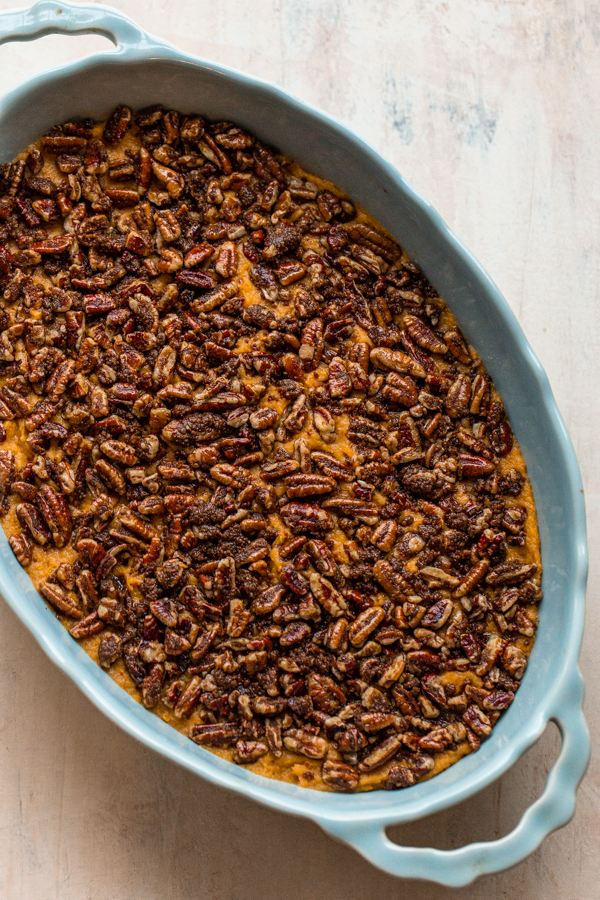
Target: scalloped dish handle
pixel 456 868
pixel 54 17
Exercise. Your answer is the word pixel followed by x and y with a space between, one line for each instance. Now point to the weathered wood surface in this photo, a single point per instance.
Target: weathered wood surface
pixel 492 111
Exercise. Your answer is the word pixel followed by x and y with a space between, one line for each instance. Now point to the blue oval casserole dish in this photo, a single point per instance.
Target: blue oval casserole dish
pixel 144 70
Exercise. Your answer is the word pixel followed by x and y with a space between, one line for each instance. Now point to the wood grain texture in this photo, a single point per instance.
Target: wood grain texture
pixel 491 110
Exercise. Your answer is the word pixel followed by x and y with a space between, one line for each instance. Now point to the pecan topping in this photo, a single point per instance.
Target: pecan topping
pixel 259 458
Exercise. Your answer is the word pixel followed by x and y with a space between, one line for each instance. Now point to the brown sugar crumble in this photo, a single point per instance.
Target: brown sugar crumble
pixel 249 458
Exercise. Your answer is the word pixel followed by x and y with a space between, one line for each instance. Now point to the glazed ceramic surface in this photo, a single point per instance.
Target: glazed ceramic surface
pixel 144 70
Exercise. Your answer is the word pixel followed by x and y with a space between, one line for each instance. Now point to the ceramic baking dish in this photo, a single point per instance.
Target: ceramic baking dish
pixel 144 70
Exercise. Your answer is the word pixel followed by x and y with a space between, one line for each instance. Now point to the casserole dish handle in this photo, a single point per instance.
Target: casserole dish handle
pixel 53 17
pixel 459 867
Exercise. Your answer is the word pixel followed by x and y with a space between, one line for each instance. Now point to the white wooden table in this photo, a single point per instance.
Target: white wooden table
pixel 491 110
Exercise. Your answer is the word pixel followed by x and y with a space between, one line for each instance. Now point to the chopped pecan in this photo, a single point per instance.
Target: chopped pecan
pixel 302 517
pixel 220 735
pixel 63 603
pixel 384 536
pixel 457 346
pixel 332 466
pixel 401 390
pixel 87 627
pixel 249 751
pixel 399 777
pixel 437 615
pixel 339 381
pixel 458 397
pixel 369 237
pixel 21 547
pixel 268 601
pixel 110 649
pixel 311 344
pixel 390 580
pixel 339 775
pixel 189 698
pixel 424 336
pixel 322 557
pixel 299 486
pixel 514 661
pixel 365 624
pixel 397 362
pixel 381 754
pixel 305 743
pixel 328 597
pixel 32 522
pixel 56 512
